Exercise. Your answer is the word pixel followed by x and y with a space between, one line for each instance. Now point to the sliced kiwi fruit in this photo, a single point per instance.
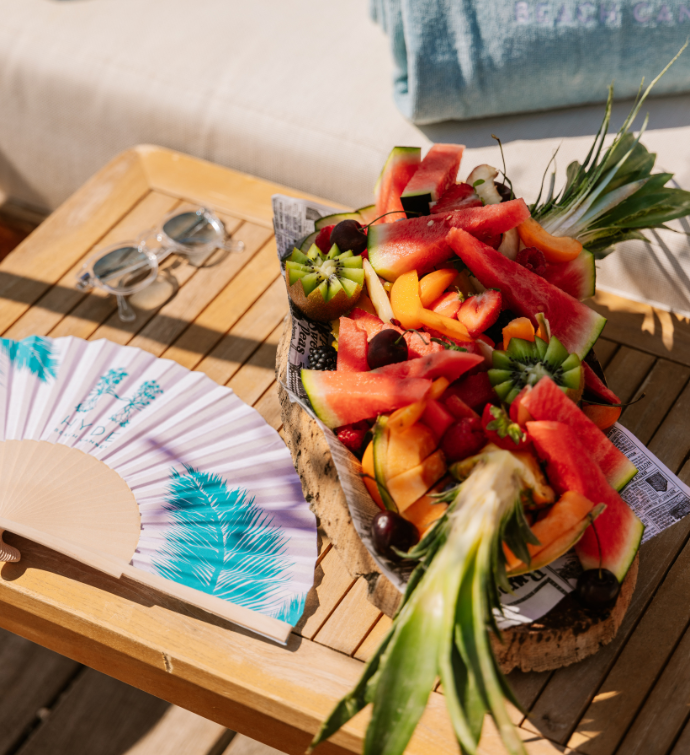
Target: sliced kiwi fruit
pixel 526 363
pixel 324 286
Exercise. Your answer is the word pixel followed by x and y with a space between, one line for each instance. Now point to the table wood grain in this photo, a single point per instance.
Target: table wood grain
pixel 226 321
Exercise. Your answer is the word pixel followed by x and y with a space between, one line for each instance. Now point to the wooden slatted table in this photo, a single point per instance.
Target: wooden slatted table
pixel 632 697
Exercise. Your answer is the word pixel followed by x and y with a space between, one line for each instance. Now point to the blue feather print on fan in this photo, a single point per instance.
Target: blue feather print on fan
pixel 34 353
pixel 223 544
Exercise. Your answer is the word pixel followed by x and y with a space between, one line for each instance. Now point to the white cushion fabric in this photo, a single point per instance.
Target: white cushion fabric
pixel 297 92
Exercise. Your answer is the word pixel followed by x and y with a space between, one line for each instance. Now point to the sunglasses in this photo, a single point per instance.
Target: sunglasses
pixel 127 267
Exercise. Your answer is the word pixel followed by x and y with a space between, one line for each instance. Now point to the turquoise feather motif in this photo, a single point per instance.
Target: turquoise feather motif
pixel 34 353
pixel 223 544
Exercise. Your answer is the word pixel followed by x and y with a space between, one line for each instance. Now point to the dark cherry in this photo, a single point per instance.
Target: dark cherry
pixel 389 530
pixel 503 190
pixel 598 589
pixel 532 259
pixel 386 347
pixel 349 235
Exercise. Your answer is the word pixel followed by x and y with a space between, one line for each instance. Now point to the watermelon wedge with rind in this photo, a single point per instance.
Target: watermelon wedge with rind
pixel 546 401
pixel 577 277
pixel 341 398
pixel 438 171
pixel 421 244
pixel 571 467
pixel 336 217
pixel 446 363
pixel 575 325
pixel 595 386
pixel 401 165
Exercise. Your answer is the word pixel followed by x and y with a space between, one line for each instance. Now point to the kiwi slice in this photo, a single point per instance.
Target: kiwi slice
pixel 526 363
pixel 324 286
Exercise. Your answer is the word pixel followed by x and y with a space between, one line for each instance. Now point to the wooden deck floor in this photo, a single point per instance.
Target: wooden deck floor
pixel 52 705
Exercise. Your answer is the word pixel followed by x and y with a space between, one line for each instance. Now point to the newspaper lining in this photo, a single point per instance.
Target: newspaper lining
pixel 655 494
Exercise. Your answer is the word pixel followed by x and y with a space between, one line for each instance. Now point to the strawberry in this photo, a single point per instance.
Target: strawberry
pixel 501 430
pixel 463 439
pixel 447 304
pixel 475 390
pixel 481 311
pixel 323 240
pixel 352 436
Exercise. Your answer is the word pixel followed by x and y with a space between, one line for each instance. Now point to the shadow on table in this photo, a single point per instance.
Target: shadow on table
pixel 29 291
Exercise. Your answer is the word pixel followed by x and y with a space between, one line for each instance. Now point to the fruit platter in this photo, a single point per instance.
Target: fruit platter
pixel 455 365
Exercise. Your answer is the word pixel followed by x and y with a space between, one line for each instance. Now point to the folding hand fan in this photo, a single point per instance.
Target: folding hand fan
pixel 137 466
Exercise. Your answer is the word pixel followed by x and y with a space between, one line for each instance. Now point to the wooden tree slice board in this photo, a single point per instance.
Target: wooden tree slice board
pixel 565 635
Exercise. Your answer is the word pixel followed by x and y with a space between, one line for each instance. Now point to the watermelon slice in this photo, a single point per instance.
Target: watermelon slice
pixel 435 175
pixel 571 467
pixel 447 364
pixel 577 277
pixel 420 244
pixel 575 325
pixel 352 347
pixel 474 391
pixel 400 166
pixel 458 197
pixel 546 401
pixel 418 344
pixel 343 398
pixel 596 387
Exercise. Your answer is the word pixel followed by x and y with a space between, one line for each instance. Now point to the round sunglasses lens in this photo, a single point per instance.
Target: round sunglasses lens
pixel 191 229
pixel 123 269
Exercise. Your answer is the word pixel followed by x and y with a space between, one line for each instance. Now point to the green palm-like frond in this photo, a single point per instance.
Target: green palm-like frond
pixel 222 543
pixel 34 353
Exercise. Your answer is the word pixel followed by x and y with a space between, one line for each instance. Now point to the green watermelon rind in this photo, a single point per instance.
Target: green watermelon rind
pixel 397 154
pixel 335 218
pixel 310 383
pixel 619 567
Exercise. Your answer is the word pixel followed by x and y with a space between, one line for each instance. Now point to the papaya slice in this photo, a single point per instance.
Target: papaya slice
pixel 405 300
pixel 520 327
pixel 424 512
pixel 431 286
pixel 408 487
pixel 602 416
pixel 408 448
pixel 554 248
pixel 570 509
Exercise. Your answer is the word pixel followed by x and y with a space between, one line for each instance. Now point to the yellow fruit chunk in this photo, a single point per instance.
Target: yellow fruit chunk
pixel 570 509
pixel 368 471
pixel 431 286
pixel 407 487
pixel 408 448
pixel 424 512
pixel 445 325
pixel 542 492
pixel 554 248
pixel 405 300
pixel 406 416
pixel 520 327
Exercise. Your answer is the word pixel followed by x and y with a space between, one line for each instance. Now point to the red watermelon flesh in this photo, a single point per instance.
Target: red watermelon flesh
pixel 401 165
pixel 352 347
pixel 575 325
pixel 458 197
pixel 596 387
pixel 420 243
pixel 438 171
pixel 437 418
pixel 571 467
pixel 343 398
pixel 546 401
pixel 577 277
pixel 474 390
pixel 371 323
pixel 447 364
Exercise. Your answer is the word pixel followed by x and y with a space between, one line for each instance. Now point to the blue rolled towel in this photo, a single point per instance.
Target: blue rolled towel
pixel 460 59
